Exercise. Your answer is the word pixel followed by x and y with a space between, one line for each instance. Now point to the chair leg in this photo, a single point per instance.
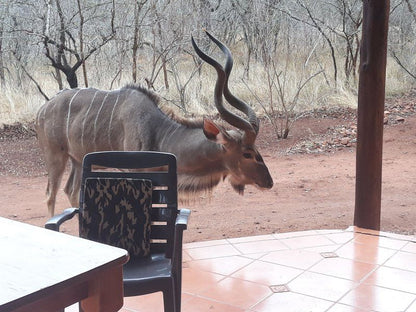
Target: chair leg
pixel 169 299
pixel 177 289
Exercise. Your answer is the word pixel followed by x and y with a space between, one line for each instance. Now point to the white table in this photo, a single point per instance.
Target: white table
pixel 43 270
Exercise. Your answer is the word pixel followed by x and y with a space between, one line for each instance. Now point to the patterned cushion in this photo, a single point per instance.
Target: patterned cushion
pixel 117 212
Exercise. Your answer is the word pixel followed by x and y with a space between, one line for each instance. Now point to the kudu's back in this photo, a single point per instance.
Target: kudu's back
pixel 78 121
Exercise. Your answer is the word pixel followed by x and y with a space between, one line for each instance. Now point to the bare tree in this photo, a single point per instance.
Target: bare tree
pixel 81 42
pixel 351 20
pixel 138 16
pixel 402 36
pixel 4 13
pixel 2 74
pixel 314 23
pixel 165 43
pixel 346 25
pixel 182 84
pixel 61 48
pixel 284 88
pixel 244 10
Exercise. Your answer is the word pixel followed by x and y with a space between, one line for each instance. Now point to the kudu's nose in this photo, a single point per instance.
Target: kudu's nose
pixel 266 183
pixel 269 183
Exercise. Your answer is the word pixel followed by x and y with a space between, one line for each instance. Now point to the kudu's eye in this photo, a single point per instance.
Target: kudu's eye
pixel 259 158
pixel 247 155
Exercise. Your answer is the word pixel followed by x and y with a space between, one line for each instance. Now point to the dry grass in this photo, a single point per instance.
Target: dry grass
pixel 19 104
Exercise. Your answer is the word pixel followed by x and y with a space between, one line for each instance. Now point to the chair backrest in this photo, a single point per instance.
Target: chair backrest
pixel 158 169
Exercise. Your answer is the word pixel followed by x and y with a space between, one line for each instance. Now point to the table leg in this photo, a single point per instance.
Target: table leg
pixel 105 292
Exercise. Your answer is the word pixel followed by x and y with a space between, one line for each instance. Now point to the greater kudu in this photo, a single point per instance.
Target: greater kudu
pixel 78 121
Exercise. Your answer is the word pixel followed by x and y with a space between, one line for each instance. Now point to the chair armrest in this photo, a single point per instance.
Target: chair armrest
pixel 182 219
pixel 55 222
pixel 180 226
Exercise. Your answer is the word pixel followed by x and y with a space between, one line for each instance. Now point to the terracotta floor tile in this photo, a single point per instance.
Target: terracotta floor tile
pixel 340 238
pixel 384 242
pixel 295 234
pixel 267 273
pixel 319 249
pixel 321 286
pixel 385 266
pixel 194 281
pixel 248 239
pixel 387 242
pixel 224 265
pixel 366 231
pixel 344 268
pixel 375 298
pixel 393 278
pixel 398 236
pixel 213 252
pixel 147 303
pixel 197 304
pixel 369 253
pixel 298 258
pixel 412 307
pixel 254 256
pixel 330 231
pixel 307 241
pixel 410 247
pixel 260 246
pixel 185 256
pixel 205 243
pixel 403 260
pixel 384 234
pixel 345 308
pixel 237 292
pixel 186 297
pixel 291 302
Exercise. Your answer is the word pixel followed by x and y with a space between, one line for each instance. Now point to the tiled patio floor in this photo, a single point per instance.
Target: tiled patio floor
pixel 334 271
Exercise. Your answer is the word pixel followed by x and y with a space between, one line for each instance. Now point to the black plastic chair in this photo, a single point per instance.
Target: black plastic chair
pixel 155 256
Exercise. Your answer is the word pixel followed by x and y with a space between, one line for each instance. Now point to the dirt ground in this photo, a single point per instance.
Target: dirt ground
pixel 313 171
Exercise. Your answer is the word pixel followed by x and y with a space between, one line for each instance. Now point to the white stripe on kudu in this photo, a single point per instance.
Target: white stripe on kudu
pixel 96 120
pixel 69 116
pixel 85 119
pixel 111 120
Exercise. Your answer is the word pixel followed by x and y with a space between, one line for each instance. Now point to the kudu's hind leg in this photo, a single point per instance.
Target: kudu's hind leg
pixel 56 167
pixel 73 184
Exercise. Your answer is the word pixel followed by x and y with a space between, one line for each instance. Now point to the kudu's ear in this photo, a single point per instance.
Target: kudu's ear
pixel 215 133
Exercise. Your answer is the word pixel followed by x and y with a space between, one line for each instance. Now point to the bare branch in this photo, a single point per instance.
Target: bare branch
pixel 30 76
pixel 399 62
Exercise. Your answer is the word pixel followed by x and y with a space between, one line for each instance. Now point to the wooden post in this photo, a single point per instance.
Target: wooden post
pixel 371 96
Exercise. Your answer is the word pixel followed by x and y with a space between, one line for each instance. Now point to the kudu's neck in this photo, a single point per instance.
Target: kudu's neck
pixel 191 147
pixel 200 161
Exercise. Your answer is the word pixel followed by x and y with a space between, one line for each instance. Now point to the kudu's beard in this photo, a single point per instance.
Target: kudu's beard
pixel 190 186
pixel 239 188
pixel 237 184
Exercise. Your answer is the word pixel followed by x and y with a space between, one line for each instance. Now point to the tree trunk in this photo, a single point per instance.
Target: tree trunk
pixel 71 77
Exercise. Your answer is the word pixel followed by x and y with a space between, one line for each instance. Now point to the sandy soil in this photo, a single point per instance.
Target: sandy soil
pixel 314 174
